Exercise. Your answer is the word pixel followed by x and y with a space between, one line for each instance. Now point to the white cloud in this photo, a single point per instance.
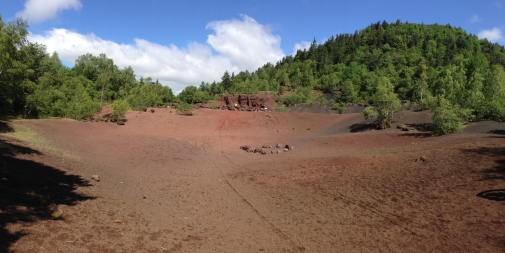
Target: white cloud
pixel 245 42
pixel 240 44
pixel 493 35
pixel 475 18
pixel 40 10
pixel 301 46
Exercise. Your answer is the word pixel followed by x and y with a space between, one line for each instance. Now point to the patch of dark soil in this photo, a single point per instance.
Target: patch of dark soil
pixel 417 135
pixel 483 127
pixel 326 108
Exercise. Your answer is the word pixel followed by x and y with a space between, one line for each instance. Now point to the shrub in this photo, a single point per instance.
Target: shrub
pixel 119 108
pixel 445 118
pixel 370 113
pixel 185 109
pixel 340 107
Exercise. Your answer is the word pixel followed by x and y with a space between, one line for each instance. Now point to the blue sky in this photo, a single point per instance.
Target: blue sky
pixel 185 42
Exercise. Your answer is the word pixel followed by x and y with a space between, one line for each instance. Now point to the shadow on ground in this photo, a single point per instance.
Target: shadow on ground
pixel 497 154
pixel 362 127
pixel 28 188
pixel 497 172
pixel 4 127
pixel 499 133
pixel 496 195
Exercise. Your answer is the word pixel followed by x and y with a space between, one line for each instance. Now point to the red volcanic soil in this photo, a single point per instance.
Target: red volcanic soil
pixel 173 183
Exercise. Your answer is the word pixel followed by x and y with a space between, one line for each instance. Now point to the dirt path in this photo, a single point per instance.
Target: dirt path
pixel 181 184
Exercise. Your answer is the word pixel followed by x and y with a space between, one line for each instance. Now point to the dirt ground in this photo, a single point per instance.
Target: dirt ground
pixel 171 183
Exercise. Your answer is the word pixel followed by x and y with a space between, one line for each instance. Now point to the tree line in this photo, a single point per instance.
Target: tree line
pixel 34 83
pixel 454 74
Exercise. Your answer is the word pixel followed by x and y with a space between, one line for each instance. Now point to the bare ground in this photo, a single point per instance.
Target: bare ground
pixel 181 184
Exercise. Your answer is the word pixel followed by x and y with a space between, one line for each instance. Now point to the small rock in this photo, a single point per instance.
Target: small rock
pixel 308 128
pixel 96 178
pixel 421 159
pixel 120 122
pixel 245 147
pixel 279 145
pixel 264 146
pixel 289 147
pixel 286 150
pixel 279 151
pixel 263 152
pixel 271 151
pixel 403 127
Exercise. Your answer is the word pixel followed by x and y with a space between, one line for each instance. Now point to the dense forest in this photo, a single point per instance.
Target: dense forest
pixel 442 68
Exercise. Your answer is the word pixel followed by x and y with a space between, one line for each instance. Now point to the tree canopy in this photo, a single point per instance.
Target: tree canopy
pixel 34 83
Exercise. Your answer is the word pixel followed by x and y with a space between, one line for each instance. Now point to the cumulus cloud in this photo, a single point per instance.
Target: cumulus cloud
pixel 41 10
pixel 245 42
pixel 493 35
pixel 240 45
pixel 301 46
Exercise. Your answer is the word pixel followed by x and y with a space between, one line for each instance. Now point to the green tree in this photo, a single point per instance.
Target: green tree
pixel 495 93
pixel 385 103
pixel 226 81
pixel 445 117
pixel 13 66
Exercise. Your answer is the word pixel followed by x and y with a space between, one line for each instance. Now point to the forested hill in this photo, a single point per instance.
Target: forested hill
pixel 408 54
pixel 419 62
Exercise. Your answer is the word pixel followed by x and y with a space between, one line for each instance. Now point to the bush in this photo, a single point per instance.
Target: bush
pixel 445 118
pixel 370 113
pixel 119 108
pixel 184 109
pixel 340 107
